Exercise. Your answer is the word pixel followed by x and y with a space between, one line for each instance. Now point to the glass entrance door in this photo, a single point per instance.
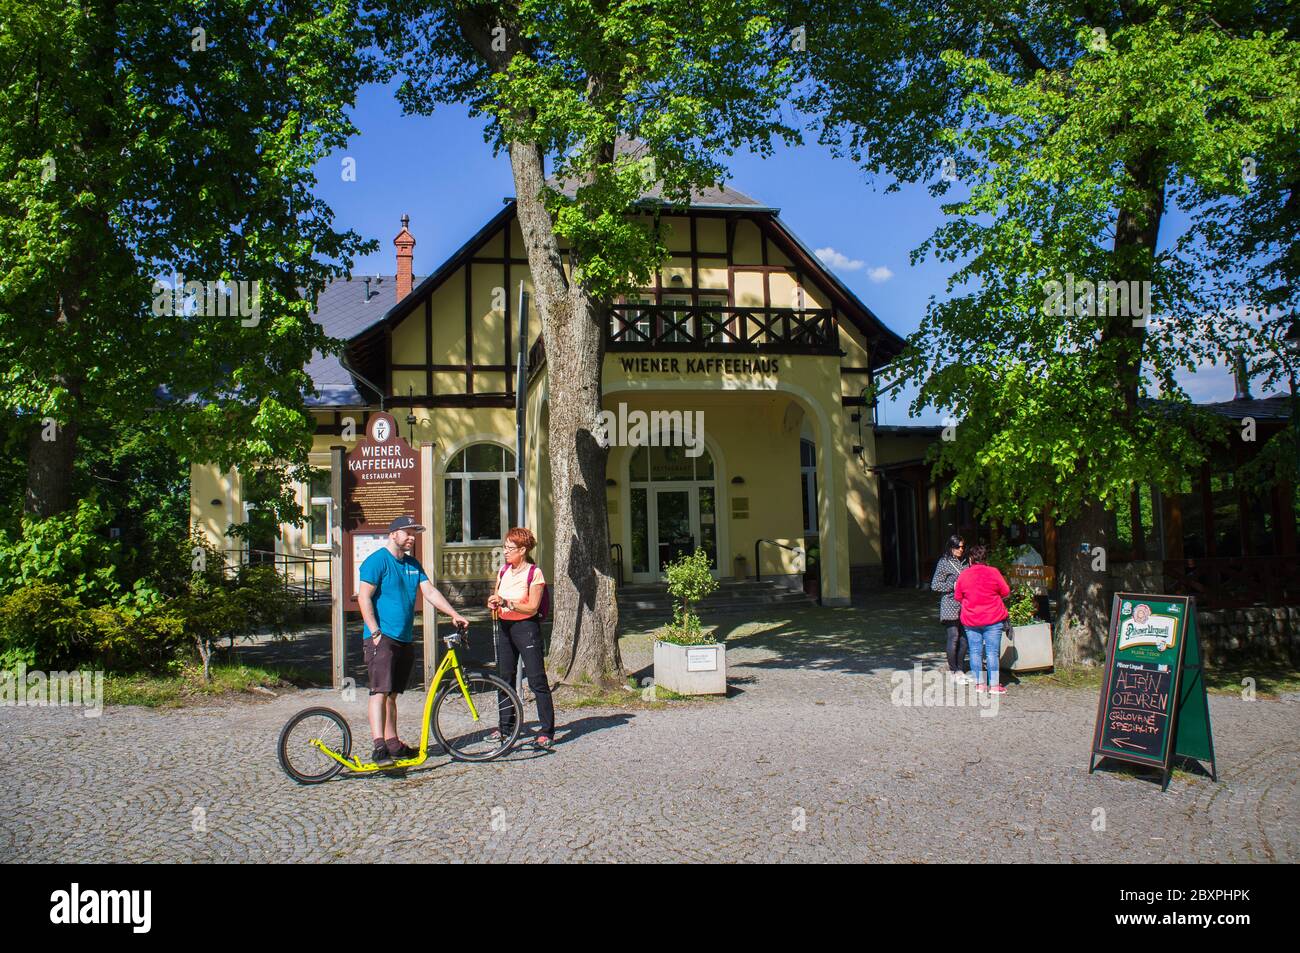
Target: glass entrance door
pixel 685 520
pixel 676 532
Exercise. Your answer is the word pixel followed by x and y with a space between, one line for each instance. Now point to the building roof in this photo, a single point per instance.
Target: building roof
pixel 1277 407
pixel 343 310
pixel 713 196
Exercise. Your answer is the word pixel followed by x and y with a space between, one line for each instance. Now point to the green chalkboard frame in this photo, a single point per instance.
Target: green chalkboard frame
pixel 1188 733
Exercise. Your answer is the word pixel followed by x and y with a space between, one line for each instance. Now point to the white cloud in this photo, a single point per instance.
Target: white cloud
pixel 833 259
pixel 880 274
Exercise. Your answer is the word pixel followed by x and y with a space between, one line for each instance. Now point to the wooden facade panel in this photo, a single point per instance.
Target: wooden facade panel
pixel 489 382
pixel 408 340
pixel 408 382
pixel 494 247
pixel 676 231
pixel 711 235
pixel 747 244
pixel 448 382
pixel 856 352
pixel 488 312
pixel 785 291
pixel 813 296
pixel 448 303
pixel 748 287
pixel 713 276
pixel 520 273
pixel 676 267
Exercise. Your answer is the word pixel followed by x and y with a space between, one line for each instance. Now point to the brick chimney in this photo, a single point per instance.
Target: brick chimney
pixel 404 242
pixel 1242 379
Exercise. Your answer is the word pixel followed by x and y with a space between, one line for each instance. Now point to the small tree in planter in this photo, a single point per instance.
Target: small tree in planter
pixel 689 660
pixel 689 581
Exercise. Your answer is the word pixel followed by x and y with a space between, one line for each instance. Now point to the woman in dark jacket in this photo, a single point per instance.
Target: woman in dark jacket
pixel 946 572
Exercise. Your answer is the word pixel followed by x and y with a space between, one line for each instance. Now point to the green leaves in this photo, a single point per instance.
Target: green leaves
pixel 1066 132
pixel 129 155
pixel 624 99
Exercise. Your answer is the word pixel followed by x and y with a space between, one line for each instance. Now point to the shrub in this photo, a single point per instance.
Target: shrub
pixel 689 581
pixel 42 626
pixel 1023 605
pixel 69 550
pixel 127 640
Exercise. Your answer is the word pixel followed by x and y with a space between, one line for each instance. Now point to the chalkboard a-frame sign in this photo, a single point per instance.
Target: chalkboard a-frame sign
pixel 1153 705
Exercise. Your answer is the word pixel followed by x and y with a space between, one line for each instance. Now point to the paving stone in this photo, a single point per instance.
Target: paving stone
pixel 809 760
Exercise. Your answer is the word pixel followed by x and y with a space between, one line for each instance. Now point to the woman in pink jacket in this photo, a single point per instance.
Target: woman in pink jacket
pixel 980 589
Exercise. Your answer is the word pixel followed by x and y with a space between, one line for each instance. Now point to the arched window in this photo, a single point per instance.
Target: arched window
pixel 479 495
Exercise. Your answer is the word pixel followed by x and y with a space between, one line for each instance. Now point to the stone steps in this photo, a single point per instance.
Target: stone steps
pixel 644 604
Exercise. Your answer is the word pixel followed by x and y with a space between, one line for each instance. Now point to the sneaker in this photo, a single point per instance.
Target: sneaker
pixel 544 742
pixel 380 755
pixel 998 690
pixel 981 687
pixel 405 752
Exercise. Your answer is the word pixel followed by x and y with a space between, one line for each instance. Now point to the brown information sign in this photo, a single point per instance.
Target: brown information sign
pixel 381 481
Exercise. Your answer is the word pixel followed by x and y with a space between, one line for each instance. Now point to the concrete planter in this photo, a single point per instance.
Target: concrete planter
pixel 1030 647
pixel 691 669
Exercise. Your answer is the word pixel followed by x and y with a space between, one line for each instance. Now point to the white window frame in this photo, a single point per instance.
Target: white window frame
pixel 504 492
pixel 312 502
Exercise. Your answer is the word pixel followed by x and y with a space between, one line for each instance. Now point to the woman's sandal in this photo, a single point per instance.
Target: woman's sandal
pixel 544 742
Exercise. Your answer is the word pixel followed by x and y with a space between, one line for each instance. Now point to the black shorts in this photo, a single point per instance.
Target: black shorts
pixel 389 665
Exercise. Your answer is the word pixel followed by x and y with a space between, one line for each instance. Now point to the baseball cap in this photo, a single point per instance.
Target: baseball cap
pixel 406 523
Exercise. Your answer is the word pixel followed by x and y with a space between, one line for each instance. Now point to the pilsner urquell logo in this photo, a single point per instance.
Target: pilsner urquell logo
pixel 1145 627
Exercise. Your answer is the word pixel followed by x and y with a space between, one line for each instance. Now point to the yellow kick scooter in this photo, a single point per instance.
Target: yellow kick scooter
pixel 316 744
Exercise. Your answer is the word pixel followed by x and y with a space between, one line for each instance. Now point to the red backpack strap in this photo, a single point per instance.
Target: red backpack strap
pixel 532 569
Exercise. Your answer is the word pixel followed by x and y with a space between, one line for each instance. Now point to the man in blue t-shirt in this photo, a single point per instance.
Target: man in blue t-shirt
pixel 391 581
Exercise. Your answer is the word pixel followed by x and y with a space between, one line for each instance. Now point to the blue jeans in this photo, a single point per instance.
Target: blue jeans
pixel 985 644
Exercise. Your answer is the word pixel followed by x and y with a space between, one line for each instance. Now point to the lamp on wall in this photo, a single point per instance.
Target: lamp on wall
pixel 410 413
pixel 610 481
pixel 738 479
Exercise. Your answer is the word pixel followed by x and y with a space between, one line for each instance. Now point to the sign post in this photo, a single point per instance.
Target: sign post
pixel 1153 705
pixel 337 539
pixel 380 482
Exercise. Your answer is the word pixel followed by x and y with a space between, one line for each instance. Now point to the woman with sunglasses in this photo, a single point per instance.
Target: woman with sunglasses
pixel 946 571
pixel 520 590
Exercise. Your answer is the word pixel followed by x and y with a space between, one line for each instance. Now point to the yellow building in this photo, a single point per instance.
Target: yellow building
pixel 743 330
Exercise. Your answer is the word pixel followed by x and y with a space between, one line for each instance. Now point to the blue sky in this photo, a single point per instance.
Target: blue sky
pixel 439 170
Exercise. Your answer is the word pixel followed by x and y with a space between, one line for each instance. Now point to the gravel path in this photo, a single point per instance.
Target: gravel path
pixel 808 760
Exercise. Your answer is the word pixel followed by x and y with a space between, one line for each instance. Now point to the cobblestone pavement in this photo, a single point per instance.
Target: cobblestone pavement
pixel 808 760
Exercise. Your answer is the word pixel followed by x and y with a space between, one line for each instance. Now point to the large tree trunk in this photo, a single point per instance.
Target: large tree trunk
pixel 584 635
pixel 1082 615
pixel 49 469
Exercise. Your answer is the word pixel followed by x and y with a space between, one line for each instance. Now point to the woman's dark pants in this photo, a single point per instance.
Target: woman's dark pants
pixel 524 638
pixel 957 647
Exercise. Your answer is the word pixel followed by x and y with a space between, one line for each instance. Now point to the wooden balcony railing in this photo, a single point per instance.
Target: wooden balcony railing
pixel 667 328
pixel 1231 582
